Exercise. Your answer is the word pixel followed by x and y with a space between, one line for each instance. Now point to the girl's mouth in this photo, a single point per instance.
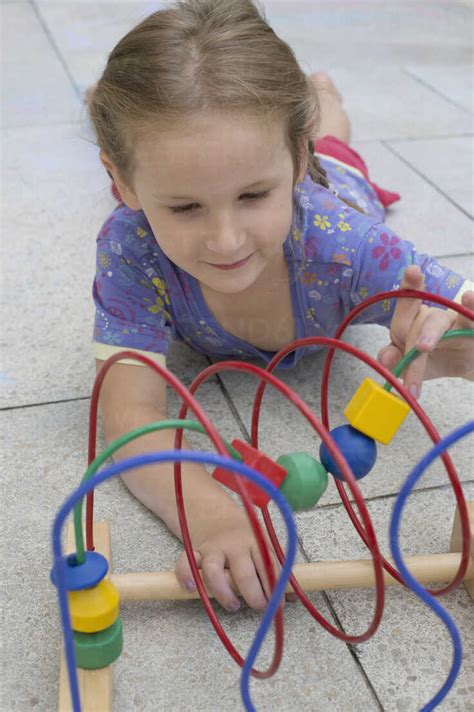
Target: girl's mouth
pixel 233 265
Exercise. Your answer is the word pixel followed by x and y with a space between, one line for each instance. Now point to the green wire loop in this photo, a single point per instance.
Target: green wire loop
pixel 414 353
pixel 116 445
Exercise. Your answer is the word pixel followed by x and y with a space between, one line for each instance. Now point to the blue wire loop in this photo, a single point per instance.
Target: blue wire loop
pixel 161 457
pixel 410 581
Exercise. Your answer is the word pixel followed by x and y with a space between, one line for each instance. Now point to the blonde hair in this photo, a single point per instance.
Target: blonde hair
pixel 202 55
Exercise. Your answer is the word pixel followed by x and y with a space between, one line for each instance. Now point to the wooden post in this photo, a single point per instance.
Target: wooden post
pixel 95 686
pixel 456 542
pixel 319 576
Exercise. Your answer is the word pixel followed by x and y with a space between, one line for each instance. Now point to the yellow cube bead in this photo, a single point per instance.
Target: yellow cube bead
pixel 94 609
pixel 376 412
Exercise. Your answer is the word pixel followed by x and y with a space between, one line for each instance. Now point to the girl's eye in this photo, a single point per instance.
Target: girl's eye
pixel 176 210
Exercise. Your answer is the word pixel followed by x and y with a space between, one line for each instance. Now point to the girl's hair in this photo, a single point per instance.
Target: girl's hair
pixel 202 55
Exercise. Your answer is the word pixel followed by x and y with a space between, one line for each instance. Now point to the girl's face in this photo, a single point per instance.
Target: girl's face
pixel 218 196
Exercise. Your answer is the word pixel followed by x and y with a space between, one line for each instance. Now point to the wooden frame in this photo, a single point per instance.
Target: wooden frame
pixel 96 685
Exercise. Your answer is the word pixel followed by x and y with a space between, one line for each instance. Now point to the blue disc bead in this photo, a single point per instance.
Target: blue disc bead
pixel 85 575
pixel 358 449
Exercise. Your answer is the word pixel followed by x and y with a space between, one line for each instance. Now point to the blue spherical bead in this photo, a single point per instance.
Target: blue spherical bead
pixel 359 450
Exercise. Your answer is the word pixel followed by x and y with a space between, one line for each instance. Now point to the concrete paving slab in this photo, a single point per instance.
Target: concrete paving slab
pixel 388 30
pixel 425 211
pixel 36 88
pixel 86 32
pixel 409 657
pixel 453 81
pixel 57 198
pixel 447 165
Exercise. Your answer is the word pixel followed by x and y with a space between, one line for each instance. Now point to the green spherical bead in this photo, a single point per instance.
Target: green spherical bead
pixel 97 650
pixel 306 481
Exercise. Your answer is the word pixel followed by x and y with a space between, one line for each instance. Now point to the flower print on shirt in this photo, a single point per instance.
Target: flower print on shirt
pixel 305 201
pixel 308 278
pixel 162 299
pixel 297 234
pixel 386 250
pixel 314 294
pixel 342 258
pixel 321 221
pixel 112 337
pixel 104 260
pixel 452 280
pixel 342 224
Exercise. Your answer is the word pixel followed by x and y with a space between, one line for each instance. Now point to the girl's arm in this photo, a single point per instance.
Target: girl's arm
pixel 132 396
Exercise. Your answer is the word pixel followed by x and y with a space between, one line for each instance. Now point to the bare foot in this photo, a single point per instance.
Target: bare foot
pixel 334 120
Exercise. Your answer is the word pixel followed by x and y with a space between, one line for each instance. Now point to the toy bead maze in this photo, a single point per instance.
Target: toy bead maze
pixel 89 593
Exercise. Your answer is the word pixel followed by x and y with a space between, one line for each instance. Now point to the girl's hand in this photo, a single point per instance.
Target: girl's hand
pixel 231 545
pixel 416 325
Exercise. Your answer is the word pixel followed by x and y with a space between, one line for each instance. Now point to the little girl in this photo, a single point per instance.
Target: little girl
pixel 238 230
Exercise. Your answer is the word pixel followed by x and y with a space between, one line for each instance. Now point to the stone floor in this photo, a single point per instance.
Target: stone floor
pixel 405 70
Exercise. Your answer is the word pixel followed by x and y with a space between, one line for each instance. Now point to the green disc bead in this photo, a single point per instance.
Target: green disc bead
pixel 97 650
pixel 306 481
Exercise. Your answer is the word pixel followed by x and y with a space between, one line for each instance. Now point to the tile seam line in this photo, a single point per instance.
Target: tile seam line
pixel 403 139
pixel 426 179
pixel 457 254
pixel 436 91
pixel 390 495
pixel 352 649
pixel 54 46
pixel 230 403
pixel 332 611
pixel 23 406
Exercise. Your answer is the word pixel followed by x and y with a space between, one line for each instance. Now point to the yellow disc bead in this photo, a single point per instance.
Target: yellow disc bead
pixel 94 609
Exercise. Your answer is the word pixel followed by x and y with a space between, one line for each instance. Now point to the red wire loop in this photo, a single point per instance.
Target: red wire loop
pixel 322 431
pixel 190 402
pixel 423 418
pixel 363 526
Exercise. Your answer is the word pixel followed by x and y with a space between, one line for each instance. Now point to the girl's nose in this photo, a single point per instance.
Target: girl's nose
pixel 225 237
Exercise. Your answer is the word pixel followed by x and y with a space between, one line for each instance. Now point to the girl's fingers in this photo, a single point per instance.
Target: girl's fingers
pixel 467 300
pixel 247 580
pixel 406 310
pixel 434 325
pixel 213 572
pixel 389 356
pixel 213 569
pixel 424 334
pixel 262 574
pixel 183 571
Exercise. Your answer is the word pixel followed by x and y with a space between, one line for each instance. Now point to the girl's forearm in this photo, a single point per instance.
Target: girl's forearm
pixel 205 500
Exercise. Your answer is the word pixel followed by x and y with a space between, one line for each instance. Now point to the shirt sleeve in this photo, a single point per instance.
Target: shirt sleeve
pixel 131 300
pixel 378 266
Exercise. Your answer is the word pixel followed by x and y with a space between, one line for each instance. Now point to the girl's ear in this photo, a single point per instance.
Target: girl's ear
pixel 127 194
